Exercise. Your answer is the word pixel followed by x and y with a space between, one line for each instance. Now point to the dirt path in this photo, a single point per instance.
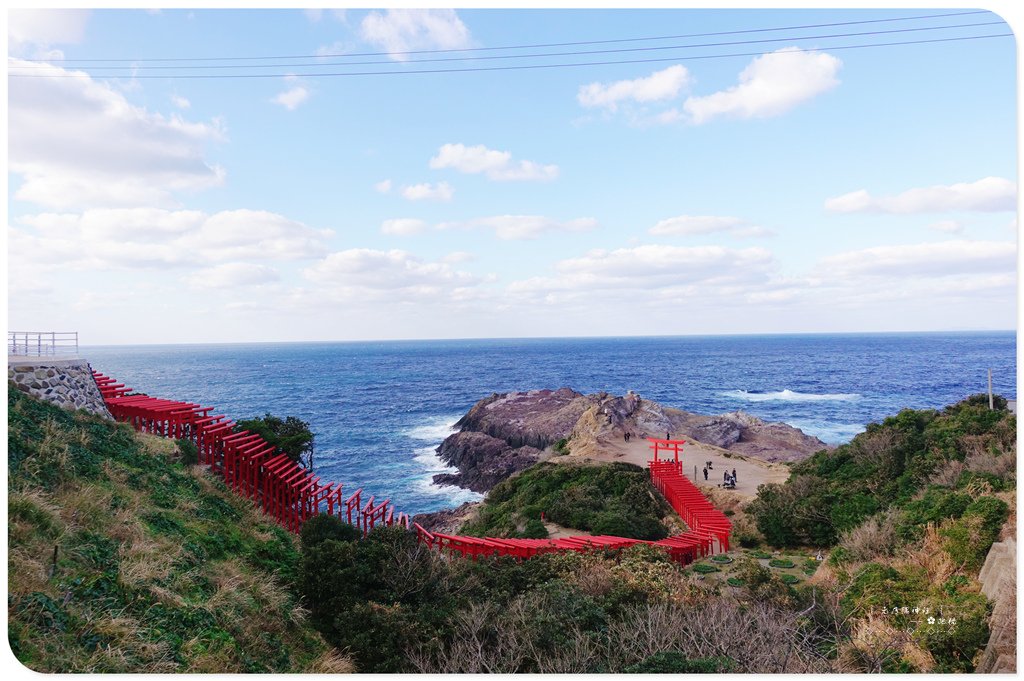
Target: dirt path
pixel 750 472
pixel 556 531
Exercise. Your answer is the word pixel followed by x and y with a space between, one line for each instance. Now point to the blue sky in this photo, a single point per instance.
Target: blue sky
pixel 799 188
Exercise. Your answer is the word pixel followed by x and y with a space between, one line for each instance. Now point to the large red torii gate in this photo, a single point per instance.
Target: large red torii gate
pixel 673 446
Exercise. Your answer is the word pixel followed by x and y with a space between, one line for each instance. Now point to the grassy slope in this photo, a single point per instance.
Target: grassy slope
pixel 159 568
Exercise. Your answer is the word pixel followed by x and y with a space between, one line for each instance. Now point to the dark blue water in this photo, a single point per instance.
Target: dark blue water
pixel 380 408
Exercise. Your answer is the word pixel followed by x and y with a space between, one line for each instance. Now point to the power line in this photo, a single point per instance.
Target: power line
pixel 543 54
pixel 520 67
pixel 542 45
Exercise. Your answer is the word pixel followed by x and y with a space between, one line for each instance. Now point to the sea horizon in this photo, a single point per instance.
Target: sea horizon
pixel 381 408
pixel 966 332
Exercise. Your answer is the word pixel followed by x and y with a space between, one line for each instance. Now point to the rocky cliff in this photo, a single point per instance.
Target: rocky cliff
pixel 505 433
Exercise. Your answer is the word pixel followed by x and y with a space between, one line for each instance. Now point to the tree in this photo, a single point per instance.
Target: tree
pixel 290 435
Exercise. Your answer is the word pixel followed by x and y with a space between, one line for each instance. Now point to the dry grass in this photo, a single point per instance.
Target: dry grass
pixel 872 539
pixel 331 662
pixel 929 556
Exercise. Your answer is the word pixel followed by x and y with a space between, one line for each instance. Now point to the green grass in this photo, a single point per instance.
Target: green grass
pixel 781 563
pixel 614 499
pixel 159 568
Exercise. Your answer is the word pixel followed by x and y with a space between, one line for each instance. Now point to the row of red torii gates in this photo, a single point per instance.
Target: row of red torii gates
pixel 292 494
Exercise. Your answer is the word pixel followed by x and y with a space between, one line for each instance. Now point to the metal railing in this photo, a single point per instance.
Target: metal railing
pixel 42 343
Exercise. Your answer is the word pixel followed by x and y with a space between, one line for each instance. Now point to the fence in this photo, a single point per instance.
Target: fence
pixel 42 343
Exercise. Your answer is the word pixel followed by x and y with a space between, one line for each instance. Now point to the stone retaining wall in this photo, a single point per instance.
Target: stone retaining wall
pixel 67 383
pixel 998 579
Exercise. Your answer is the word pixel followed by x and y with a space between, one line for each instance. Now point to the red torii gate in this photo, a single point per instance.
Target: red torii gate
pixel 673 446
pixel 249 466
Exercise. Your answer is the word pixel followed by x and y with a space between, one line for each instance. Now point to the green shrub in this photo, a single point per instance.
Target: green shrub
pixel 721 558
pixel 954 646
pixel 781 563
pixel 322 527
pixel 704 568
pixel 535 529
pixel 189 452
pixel 789 579
pixel 672 662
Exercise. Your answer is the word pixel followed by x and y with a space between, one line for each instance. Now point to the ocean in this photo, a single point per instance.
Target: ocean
pixel 379 409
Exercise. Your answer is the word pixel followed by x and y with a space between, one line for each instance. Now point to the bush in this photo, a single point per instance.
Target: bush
pixel 535 529
pixel 290 435
pixel 672 662
pixel 704 568
pixel 322 527
pixel 189 452
pixel 781 563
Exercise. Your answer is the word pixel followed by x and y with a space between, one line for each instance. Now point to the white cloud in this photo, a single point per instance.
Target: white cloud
pixel 140 238
pixel 292 98
pixel 405 30
pixel 458 256
pixel 948 226
pixel 382 187
pixel 314 15
pixel 689 225
pixel 522 227
pixel 180 102
pixel 366 273
pixel 45 27
pixel 660 85
pixel 442 191
pixel 232 275
pixel 989 194
pixel 402 226
pixel 943 258
pixel 663 271
pixel 770 85
pixel 497 165
pixel 79 143
pixel 334 49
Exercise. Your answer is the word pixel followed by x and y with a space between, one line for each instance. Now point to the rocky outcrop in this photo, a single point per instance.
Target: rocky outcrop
pixel 537 418
pixel 67 383
pixel 611 417
pixel 483 460
pixel 998 579
pixel 505 433
pixel 449 520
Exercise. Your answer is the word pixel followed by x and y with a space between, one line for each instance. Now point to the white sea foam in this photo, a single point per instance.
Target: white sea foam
pixel 829 433
pixel 791 396
pixel 435 429
pixel 428 458
pixel 452 494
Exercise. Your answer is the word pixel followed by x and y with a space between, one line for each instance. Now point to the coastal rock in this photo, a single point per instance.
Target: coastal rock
pixel 537 418
pixel 449 520
pixel 483 460
pixel 506 433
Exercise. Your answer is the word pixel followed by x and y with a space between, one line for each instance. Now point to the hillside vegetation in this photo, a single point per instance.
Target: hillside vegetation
pixel 122 559
pixel 613 499
pixel 911 507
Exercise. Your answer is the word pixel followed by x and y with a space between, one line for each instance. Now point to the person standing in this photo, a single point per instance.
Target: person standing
pixel 734 476
pixel 705 474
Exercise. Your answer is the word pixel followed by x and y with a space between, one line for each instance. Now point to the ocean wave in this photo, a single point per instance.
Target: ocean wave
pixel 829 433
pixel 428 458
pixel 790 396
pixel 452 494
pixel 435 429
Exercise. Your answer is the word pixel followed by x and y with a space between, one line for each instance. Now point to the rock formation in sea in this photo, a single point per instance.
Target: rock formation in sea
pixel 506 433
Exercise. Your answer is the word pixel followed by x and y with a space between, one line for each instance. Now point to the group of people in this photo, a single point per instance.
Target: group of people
pixel 729 479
